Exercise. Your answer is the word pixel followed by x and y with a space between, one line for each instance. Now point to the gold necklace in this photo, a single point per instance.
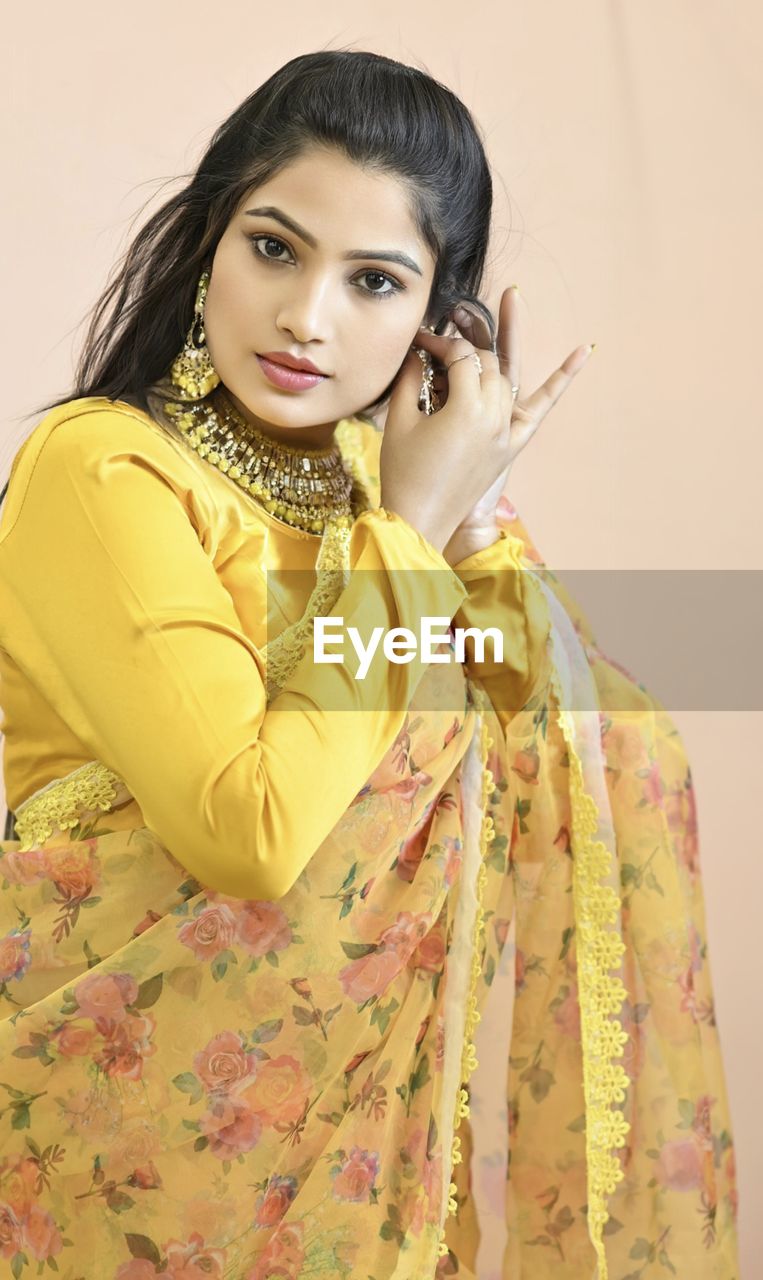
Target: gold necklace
pixel 307 489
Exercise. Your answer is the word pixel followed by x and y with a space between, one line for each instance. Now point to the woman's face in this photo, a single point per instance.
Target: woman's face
pixel 329 292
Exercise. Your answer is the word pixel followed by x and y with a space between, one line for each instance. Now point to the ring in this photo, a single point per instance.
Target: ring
pixel 468 355
pixel 515 392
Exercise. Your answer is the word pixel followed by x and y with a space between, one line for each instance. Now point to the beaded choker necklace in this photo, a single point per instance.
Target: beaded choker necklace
pixel 305 488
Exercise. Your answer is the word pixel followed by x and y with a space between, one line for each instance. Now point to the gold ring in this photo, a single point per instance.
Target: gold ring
pixel 467 357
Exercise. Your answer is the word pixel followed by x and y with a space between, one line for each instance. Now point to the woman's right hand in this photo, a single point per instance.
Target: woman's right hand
pixel 434 468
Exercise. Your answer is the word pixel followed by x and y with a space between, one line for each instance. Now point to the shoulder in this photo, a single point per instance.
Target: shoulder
pixel 82 438
pixel 95 426
pixel 101 423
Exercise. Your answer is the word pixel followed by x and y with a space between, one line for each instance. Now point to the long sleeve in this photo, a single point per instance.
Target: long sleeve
pixel 501 594
pixel 111 604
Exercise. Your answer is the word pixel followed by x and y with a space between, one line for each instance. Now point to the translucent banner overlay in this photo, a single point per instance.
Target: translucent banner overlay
pixel 692 638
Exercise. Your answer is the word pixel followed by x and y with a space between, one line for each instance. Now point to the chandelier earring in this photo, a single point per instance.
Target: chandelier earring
pixel 429 400
pixel 193 374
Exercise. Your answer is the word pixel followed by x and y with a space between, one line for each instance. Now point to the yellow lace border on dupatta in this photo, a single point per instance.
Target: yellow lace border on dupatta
pixel 600 993
pixel 598 942
pixel 469 1060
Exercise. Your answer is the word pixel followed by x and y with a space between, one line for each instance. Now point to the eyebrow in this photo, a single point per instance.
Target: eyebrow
pixel 385 255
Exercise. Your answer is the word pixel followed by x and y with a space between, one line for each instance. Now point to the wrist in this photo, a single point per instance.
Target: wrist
pixel 426 528
pixel 467 541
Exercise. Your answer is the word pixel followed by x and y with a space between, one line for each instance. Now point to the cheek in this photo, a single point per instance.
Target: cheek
pixel 382 343
pixel 230 319
pixel 227 295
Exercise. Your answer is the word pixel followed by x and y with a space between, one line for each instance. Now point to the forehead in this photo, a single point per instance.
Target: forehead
pixel 343 204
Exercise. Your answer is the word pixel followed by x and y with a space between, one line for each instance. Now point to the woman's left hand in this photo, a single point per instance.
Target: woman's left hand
pixel 480 527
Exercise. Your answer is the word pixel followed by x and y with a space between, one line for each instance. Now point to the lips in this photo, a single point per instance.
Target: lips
pixel 292 362
pixel 288 379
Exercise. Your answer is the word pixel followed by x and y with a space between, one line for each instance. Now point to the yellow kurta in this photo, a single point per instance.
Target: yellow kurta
pixel 238 940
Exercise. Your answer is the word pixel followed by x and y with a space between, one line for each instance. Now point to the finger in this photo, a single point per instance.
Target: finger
pixel 539 403
pixel 463 375
pixel 473 326
pixel 509 351
pixel 447 348
pixel 491 383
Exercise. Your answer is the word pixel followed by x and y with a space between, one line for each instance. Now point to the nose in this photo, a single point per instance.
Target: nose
pixel 305 310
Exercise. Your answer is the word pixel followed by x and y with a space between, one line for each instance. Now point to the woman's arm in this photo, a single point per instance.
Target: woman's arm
pixel 113 608
pixel 501 594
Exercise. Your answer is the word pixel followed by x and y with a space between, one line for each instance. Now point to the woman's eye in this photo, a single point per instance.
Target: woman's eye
pixel 268 240
pixel 263 244
pixel 394 287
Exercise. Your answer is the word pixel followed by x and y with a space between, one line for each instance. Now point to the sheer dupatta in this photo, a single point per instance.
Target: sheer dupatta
pixel 598 1132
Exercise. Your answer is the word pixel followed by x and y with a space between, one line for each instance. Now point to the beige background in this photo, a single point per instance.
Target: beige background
pixel 625 143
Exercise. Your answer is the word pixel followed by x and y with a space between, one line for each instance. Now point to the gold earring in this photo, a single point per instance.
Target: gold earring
pixel 429 401
pixel 192 371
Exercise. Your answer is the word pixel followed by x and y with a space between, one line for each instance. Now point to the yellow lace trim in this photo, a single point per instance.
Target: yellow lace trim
pixel 61 803
pixel 283 653
pixel 600 995
pixel 469 1061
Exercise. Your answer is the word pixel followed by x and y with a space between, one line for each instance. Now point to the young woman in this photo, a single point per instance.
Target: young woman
pixel 253 906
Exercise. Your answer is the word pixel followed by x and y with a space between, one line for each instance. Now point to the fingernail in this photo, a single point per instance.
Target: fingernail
pixel 591 347
pixel 515 287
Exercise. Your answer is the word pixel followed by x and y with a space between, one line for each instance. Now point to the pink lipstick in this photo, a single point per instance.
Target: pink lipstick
pixel 289 379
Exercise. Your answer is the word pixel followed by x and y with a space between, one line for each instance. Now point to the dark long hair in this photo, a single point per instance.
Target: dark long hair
pixel 380 113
